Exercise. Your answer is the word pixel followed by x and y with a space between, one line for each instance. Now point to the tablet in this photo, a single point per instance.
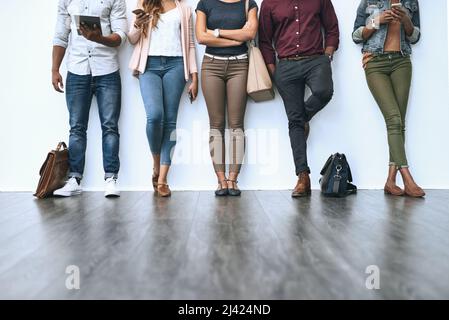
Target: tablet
pixel 89 21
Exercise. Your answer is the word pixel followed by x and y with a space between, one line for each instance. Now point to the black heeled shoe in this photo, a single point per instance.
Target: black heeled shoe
pixel 234 192
pixel 221 192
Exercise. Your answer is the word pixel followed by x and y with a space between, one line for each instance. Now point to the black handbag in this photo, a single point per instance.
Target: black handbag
pixel 336 180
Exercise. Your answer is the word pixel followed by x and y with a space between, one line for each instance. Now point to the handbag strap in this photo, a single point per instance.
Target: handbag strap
pixel 336 185
pixel 60 146
pixel 351 189
pixel 348 167
pixel 250 43
pixel 326 165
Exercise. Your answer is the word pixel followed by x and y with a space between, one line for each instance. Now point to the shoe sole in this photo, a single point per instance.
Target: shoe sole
pixel 163 196
pixel 388 193
pixel 159 195
pixel 67 194
pixel 414 196
pixel 302 195
pixel 114 195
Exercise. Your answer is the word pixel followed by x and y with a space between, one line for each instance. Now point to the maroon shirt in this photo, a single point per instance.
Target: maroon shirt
pixel 295 28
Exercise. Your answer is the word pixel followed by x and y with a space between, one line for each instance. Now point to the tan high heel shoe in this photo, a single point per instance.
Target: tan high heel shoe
pixel 154 180
pixel 163 190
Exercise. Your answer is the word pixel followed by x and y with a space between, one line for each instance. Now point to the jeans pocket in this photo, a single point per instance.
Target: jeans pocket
pixel 276 73
pixel 279 68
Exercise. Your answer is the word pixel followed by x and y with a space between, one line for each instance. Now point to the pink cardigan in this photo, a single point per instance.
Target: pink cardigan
pixel 140 57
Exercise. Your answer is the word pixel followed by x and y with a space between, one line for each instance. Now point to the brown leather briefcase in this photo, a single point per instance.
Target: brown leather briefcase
pixel 53 172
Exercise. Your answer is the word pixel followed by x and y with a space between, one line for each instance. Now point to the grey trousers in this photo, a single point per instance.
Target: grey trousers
pixel 291 77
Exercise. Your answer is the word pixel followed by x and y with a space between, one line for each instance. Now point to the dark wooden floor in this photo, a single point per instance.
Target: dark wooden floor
pixel 264 245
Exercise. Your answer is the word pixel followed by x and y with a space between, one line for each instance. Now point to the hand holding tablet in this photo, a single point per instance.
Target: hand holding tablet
pixel 89 27
pixel 88 23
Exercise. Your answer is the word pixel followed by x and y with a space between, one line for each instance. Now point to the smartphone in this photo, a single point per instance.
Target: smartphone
pixel 138 11
pixel 396 5
pixel 190 97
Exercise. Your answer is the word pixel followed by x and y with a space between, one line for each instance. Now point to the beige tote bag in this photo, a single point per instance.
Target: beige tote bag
pixel 260 86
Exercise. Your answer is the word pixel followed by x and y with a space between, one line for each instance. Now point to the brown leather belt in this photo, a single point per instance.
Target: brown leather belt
pixel 298 57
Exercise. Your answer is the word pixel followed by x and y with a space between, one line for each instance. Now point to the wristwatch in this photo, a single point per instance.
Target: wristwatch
pixel 217 33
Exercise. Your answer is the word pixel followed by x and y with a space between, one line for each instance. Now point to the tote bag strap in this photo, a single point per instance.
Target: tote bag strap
pixel 250 43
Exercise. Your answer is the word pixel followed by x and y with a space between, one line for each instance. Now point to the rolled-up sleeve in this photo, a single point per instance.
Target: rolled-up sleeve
pixel 119 21
pixel 192 47
pixel 416 20
pixel 360 23
pixel 330 22
pixel 416 35
pixel 63 21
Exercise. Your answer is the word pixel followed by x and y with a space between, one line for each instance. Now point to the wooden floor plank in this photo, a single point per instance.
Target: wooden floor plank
pixel 262 245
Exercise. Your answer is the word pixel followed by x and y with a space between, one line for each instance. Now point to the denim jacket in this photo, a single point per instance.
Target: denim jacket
pixel 369 9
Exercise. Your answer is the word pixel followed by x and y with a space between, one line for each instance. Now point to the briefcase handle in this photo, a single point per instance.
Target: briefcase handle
pixel 61 145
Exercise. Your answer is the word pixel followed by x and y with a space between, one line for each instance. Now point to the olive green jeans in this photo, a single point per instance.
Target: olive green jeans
pixel 389 76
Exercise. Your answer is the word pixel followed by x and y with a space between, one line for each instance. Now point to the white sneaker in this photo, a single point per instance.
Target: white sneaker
pixel 71 188
pixel 111 190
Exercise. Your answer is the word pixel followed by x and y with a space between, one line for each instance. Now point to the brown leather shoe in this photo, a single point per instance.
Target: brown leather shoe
pixel 163 190
pixel 393 191
pixel 302 188
pixel 411 189
pixel 414 192
pixel 307 130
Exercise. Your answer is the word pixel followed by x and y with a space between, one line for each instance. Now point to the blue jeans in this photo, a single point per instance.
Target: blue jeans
pixel 161 86
pixel 79 93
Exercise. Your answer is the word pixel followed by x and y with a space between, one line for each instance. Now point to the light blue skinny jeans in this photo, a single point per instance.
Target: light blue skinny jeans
pixel 161 87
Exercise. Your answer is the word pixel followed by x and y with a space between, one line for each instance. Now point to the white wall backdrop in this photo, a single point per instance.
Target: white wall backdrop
pixel 33 118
